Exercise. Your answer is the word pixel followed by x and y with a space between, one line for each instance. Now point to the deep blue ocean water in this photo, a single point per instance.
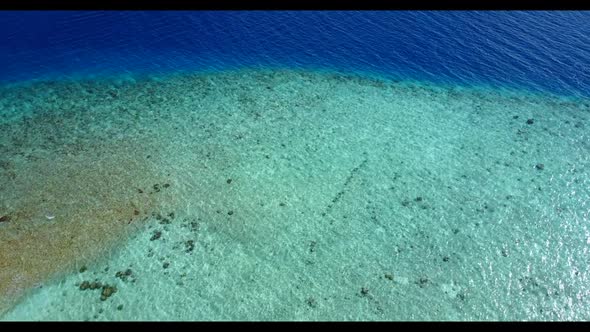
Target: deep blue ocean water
pixel 539 51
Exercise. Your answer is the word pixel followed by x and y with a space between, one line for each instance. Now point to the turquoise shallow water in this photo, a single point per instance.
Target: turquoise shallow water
pixel 291 195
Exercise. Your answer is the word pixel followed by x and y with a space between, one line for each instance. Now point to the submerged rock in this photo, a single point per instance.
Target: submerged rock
pixel 364 291
pixel 189 246
pixel 95 285
pixel 124 275
pixel 422 282
pixel 107 291
pixel 156 235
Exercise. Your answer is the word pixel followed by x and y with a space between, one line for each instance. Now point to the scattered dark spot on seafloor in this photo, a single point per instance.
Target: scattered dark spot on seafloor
pixel 189 246
pixel 515 117
pixel 139 191
pixel 85 285
pixel 418 199
pixel 120 307
pixel 165 265
pixel 311 302
pixel 530 121
pixel 171 215
pixel 461 296
pixel 83 269
pixel 136 212
pixel 166 185
pixel 5 218
pixel 266 156
pixel 388 276
pixel 312 246
pixel 194 226
pixel 528 283
pixel 405 202
pixel 540 167
pixel 156 235
pixel 149 156
pixel 230 212
pixel 364 291
pixel 422 282
pixel 282 204
pixel 156 187
pixel 95 285
pixel 107 291
pixel 504 252
pixel 124 275
pixel 446 259
pixel 228 181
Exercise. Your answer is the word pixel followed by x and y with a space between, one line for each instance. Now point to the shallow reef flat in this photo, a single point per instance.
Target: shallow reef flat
pixel 291 195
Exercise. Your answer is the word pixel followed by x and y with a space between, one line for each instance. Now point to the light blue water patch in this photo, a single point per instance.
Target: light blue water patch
pixel 281 195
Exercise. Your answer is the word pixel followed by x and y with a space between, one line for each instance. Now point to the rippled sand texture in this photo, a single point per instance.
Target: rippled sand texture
pixel 284 195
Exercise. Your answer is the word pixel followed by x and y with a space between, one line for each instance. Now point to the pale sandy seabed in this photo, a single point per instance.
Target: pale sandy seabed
pixel 285 195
